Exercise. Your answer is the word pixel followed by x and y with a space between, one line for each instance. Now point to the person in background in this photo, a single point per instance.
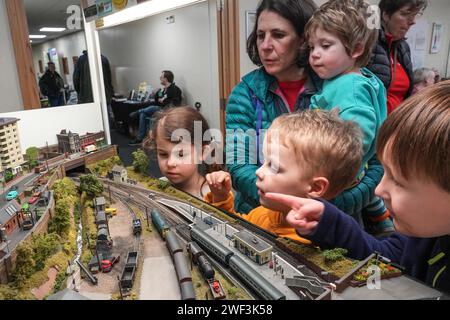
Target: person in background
pixel 83 85
pixel 423 77
pixel 391 60
pixel 169 95
pixel 51 85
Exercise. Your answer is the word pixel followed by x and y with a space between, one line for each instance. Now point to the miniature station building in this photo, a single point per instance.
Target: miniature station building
pixel 72 142
pixel 10 151
pixel 10 216
pixel 119 174
pixel 253 247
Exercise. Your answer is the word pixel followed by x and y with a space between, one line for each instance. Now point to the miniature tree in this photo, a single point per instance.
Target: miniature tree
pixel 24 264
pixel 32 155
pixel 64 188
pixel 60 222
pixel 91 185
pixel 45 245
pixel 141 161
pixel 8 175
pixel 163 185
pixel 334 255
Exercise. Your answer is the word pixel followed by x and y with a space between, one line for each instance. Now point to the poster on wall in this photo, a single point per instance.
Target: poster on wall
pixel 104 7
pixel 417 40
pixel 95 9
pixel 250 20
pixel 53 57
pixel 437 37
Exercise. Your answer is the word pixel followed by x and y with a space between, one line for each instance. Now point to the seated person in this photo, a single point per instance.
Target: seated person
pixel 168 96
pixel 312 153
pixel 423 77
pixel 414 147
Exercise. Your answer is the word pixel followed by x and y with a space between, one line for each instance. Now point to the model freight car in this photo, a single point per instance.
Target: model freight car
pixel 195 251
pixel 127 278
pixel 205 267
pixel 182 267
pixel 132 258
pixel 172 242
pixel 159 223
pixel 187 291
pixel 239 267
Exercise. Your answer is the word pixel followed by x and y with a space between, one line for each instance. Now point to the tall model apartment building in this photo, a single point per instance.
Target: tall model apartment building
pixel 10 151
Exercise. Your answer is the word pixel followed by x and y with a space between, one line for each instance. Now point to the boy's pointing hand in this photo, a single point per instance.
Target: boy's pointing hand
pixel 305 214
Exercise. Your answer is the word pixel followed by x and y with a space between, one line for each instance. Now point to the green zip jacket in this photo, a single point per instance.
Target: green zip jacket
pixel 241 115
pixel 360 98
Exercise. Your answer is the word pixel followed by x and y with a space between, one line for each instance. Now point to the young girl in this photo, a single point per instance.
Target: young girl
pixel 179 158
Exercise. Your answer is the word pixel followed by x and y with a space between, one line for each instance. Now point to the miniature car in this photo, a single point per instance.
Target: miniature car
pixel 25 207
pixel 12 195
pixel 32 200
pixel 107 265
pixel 27 225
pixel 37 194
pixel 111 211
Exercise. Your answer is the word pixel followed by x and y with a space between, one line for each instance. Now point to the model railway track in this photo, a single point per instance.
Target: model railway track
pixel 179 225
pixel 143 202
pixel 133 214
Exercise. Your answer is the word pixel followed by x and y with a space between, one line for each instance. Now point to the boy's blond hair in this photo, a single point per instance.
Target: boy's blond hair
pixel 348 20
pixel 417 136
pixel 324 144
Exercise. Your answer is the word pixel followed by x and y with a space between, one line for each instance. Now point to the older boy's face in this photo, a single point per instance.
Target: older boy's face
pixel 281 173
pixel 419 208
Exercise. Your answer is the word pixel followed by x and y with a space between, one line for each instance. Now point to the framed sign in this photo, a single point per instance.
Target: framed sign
pixel 250 20
pixel 437 37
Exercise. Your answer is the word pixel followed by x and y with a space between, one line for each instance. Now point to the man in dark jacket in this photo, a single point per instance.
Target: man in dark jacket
pixel 168 96
pixel 51 85
pixel 82 79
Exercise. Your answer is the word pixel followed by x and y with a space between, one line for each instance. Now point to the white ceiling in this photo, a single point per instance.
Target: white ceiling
pixel 48 13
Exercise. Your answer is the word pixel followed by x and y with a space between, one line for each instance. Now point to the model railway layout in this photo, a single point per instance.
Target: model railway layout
pixel 298 278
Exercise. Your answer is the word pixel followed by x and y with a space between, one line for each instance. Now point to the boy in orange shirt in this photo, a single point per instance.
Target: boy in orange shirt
pixel 310 154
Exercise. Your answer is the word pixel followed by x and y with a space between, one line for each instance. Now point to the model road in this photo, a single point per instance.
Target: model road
pixel 21 185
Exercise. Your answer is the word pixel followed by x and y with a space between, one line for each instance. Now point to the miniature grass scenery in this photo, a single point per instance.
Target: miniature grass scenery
pixel 386 271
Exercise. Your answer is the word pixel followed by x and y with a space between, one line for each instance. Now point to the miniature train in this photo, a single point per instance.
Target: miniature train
pixel 159 223
pixel 247 274
pixel 199 258
pixel 176 251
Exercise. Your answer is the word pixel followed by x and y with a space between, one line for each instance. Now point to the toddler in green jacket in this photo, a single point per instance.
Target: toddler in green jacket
pixel 341 41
